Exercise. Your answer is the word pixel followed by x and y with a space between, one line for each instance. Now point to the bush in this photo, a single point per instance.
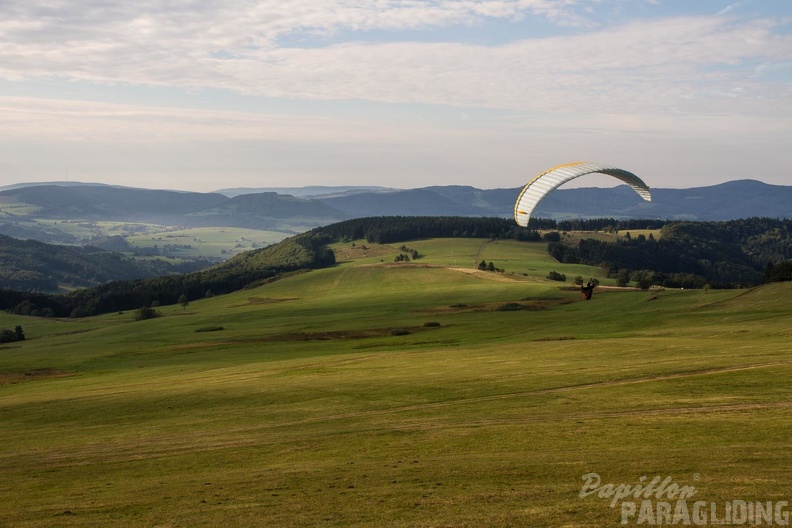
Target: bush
pixel 554 275
pixel 10 336
pixel 146 313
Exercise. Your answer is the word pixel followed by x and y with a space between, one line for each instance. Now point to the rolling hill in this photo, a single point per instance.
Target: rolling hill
pixel 688 254
pixel 726 201
pixel 99 202
pixel 374 394
pixel 30 265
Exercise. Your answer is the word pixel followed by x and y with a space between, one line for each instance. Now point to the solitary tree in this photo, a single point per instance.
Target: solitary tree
pixel 183 301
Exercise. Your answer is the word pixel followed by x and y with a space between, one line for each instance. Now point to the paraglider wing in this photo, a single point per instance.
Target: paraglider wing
pixel 542 185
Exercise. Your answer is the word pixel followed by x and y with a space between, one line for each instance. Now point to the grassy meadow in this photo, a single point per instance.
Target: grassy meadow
pixel 219 242
pixel 397 395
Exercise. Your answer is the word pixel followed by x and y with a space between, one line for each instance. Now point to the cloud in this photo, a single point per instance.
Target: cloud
pixel 729 8
pixel 24 118
pixel 668 89
pixel 235 46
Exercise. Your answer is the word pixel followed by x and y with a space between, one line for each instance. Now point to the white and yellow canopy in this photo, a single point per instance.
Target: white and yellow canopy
pixel 542 185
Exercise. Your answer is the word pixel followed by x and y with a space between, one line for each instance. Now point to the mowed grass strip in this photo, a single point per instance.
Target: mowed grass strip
pixel 488 419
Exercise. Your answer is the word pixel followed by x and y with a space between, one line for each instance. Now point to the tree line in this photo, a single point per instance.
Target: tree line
pixel 687 254
pixel 390 229
pixel 727 254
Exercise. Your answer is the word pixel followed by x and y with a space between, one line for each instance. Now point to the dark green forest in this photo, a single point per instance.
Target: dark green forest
pixel 736 253
pixel 728 254
pixel 304 251
pixel 35 266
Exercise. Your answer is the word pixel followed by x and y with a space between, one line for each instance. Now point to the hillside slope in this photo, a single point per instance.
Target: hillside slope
pixel 372 394
pixel 689 254
pixel 29 265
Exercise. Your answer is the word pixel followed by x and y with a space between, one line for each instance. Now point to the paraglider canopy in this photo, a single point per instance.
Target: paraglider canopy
pixel 542 185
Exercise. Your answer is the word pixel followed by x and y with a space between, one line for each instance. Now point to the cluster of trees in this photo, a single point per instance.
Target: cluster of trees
pixel 778 272
pixel 484 266
pixel 689 254
pixel 147 312
pixel 413 253
pixel 554 275
pixel 406 254
pixel 9 336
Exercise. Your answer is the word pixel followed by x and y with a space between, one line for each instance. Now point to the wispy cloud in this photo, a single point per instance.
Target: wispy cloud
pixel 656 63
pixel 729 8
pixel 591 86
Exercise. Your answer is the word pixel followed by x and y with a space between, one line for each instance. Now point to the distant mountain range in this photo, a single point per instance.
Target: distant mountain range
pixel 310 191
pixel 267 210
pixel 323 205
pixel 726 201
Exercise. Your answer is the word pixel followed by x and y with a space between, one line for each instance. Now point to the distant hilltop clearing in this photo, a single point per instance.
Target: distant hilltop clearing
pixel 309 191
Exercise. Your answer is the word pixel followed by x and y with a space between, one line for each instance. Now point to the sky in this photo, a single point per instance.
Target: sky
pixel 208 94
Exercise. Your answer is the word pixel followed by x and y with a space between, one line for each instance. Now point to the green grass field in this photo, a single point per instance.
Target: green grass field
pixel 221 242
pixel 396 395
pixel 214 242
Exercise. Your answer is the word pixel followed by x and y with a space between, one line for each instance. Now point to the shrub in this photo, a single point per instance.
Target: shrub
pixel 554 275
pixel 146 313
pixel 10 336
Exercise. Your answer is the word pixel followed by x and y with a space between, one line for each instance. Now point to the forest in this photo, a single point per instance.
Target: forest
pixel 36 266
pixel 304 251
pixel 729 254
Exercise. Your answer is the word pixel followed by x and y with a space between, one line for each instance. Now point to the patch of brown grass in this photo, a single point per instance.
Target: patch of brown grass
pixel 334 335
pixel 270 300
pixel 7 377
pixel 527 305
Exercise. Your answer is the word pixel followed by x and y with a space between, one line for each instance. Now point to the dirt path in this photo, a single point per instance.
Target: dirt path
pixel 477 258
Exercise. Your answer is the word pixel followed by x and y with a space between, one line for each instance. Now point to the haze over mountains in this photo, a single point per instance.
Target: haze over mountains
pixel 266 209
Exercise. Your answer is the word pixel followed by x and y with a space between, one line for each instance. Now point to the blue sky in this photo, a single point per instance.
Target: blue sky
pixel 203 94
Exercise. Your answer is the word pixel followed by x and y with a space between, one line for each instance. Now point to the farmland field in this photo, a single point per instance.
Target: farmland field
pixel 373 393
pixel 219 242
